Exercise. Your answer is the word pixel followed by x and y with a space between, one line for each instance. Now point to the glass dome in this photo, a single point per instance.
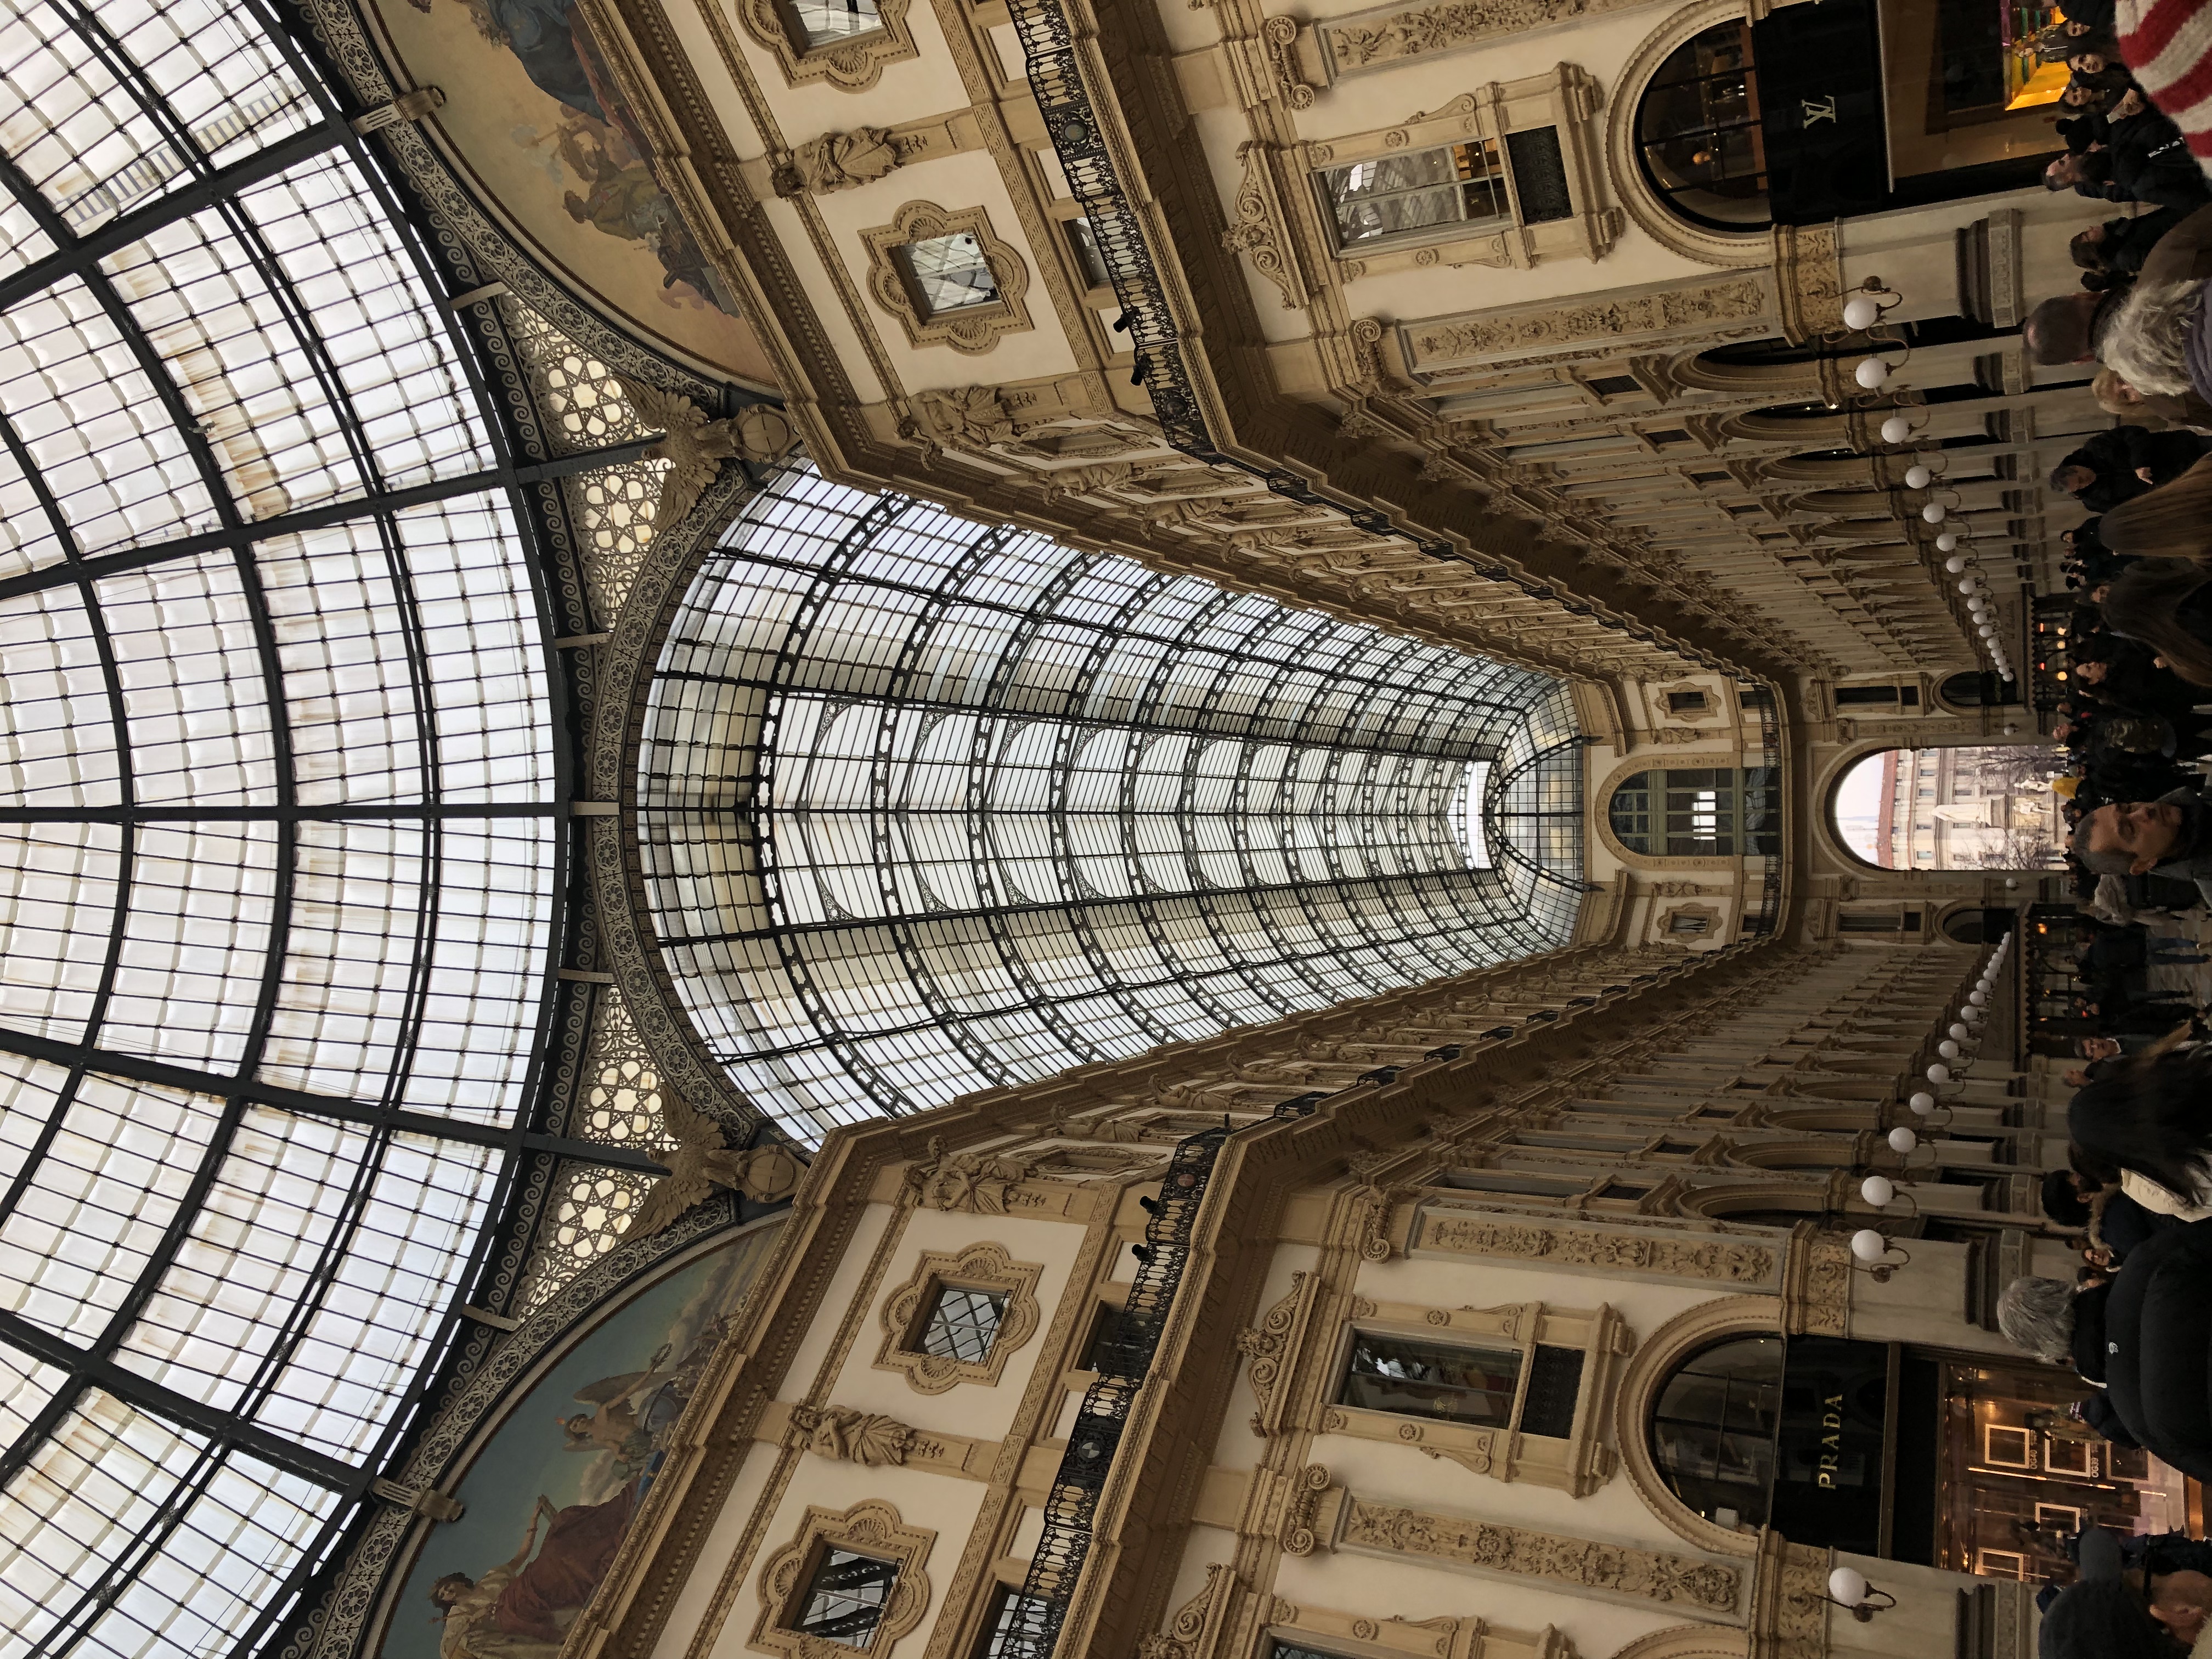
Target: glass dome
pixel 281 825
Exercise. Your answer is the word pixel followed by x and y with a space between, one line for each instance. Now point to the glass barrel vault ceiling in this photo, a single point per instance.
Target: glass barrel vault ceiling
pixel 280 835
pixel 927 807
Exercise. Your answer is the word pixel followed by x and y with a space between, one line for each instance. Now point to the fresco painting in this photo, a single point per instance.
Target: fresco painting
pixel 552 1492
pixel 550 145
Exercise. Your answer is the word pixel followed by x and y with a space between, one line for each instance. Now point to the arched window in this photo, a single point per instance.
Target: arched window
pixel 1713 1431
pixel 1698 132
pixel 1709 812
pixel 1982 808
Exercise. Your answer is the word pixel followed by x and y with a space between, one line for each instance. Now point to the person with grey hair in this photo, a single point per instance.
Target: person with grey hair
pixel 2037 1314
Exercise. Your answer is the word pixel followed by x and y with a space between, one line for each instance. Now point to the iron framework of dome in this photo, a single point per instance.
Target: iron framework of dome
pixel 285 884
pixel 926 806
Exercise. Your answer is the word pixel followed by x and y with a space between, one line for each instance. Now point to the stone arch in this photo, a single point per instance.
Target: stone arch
pixel 1691 1642
pixel 1655 1360
pixel 1635 194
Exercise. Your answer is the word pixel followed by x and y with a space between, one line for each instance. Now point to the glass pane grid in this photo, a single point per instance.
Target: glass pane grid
pixel 845 1597
pixel 1003 782
pixel 961 1324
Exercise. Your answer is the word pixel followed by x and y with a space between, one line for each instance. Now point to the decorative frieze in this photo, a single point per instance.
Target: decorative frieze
pixel 1688 312
pixel 1389 35
pixel 1711 1587
pixel 1728 1260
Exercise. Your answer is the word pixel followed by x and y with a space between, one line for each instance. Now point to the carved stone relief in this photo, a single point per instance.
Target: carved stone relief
pixel 1385 37
pixel 1725 1260
pixel 1712 1587
pixel 1682 312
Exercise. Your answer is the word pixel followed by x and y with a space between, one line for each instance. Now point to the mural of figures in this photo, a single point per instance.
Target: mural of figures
pixel 552 1490
pixel 541 133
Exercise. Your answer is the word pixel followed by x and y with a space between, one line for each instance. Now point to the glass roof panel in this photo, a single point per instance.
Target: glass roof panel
pixel 104 445
pixel 220 1561
pixel 280 897
pixel 194 946
pixel 58 892
pixel 96 1205
pixel 1019 807
pixel 74 1512
pixel 425 1209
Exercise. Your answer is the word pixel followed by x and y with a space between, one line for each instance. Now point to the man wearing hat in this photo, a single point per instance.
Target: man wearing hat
pixel 2109 1613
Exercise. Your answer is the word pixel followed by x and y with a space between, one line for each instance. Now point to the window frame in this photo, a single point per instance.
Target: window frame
pixel 1577 1462
pixel 1670 197
pixel 1565 98
pixel 986 1267
pixel 871 1527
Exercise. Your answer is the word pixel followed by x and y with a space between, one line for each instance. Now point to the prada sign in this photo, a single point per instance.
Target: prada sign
pixel 1832 1468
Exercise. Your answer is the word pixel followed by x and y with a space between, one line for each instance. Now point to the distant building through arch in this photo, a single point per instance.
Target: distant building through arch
pixel 1981 808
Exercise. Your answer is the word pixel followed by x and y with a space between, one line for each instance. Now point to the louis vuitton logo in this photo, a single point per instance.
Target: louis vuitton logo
pixel 1813 110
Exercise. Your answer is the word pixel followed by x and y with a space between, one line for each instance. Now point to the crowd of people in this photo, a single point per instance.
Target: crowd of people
pixel 2135 1322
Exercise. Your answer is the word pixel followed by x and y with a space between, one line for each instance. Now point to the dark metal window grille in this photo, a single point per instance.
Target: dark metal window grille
pixel 1440 1380
pixel 1555 1382
pixel 961 1324
pixel 1713 1433
pixel 846 1596
pixel 1016 1624
pixel 1699 137
pixel 1539 175
pixel 947 273
pixel 1615 386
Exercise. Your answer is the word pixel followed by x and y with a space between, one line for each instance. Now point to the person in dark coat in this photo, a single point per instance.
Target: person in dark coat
pixel 2120 246
pixel 2145 1334
pixel 2107 1614
pixel 2097 474
pixel 2140 156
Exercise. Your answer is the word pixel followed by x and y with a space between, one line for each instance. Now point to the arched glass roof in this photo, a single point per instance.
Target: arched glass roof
pixel 927 807
pixel 281 836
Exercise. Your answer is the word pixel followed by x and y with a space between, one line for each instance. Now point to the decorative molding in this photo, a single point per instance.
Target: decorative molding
pixel 1728 1260
pixel 1385 37
pixel 853 64
pixel 1195 1627
pixel 1790 1601
pixel 1281 37
pixel 978 1183
pixel 1816 1283
pixel 972 329
pixel 871 1528
pixel 1311 1508
pixel 1808 281
pixel 838 160
pixel 1697 311
pixel 1259 232
pixel 845 1436
pixel 1711 1587
pixel 985 1266
pixel 1277 1340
